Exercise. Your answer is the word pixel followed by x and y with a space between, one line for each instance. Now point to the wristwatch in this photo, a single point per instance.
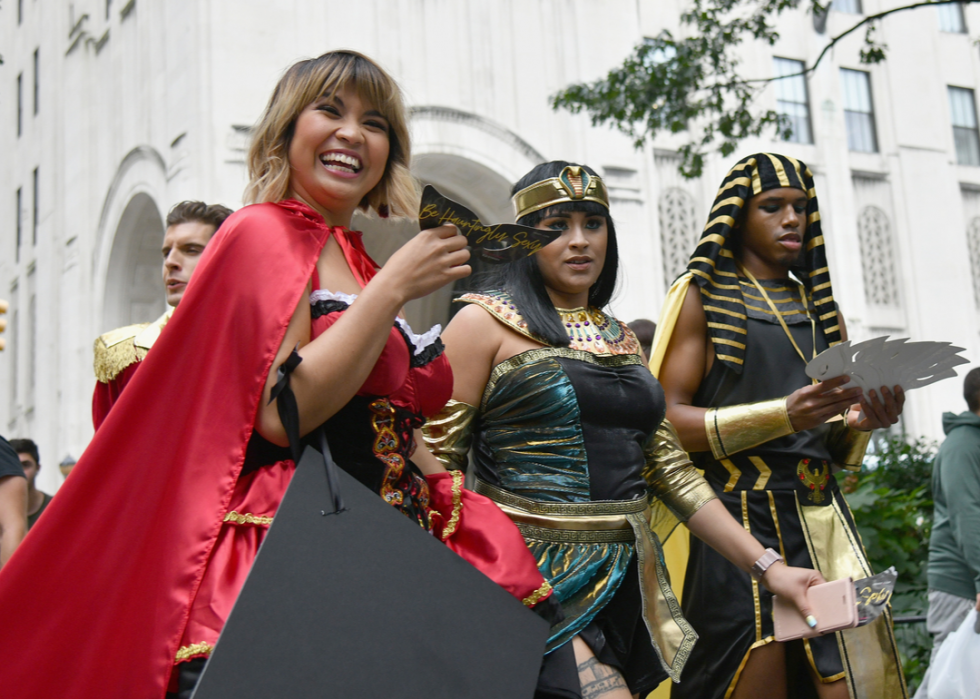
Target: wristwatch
pixel 765 561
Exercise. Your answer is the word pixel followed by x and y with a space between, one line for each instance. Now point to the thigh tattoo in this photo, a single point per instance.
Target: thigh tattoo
pixel 599 680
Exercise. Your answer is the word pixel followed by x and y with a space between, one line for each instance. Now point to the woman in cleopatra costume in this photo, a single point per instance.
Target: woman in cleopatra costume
pixel 147 546
pixel 735 335
pixel 569 437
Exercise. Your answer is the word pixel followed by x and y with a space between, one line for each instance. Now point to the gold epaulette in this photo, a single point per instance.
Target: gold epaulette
pixel 122 347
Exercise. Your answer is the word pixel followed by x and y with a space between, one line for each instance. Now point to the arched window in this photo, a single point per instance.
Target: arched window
pixel 134 293
pixel 877 257
pixel 973 241
pixel 678 231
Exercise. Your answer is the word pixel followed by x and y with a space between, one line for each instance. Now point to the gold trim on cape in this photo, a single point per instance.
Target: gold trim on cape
pixel 197 649
pixel 234 517
pixel 457 489
pixel 538 595
pixel 775 521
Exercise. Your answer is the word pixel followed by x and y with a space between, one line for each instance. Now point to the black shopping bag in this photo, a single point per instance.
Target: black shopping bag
pixel 364 603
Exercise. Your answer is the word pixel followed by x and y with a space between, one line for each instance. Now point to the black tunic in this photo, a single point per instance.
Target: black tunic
pixel 764 488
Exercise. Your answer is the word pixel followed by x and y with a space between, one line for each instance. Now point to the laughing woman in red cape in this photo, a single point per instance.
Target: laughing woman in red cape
pixel 134 587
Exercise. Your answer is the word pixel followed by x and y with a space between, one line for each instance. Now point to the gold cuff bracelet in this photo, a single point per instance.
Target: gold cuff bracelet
pixel 449 434
pixel 847 445
pixel 735 428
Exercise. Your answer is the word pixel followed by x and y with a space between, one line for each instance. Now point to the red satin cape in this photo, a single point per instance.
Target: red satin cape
pixel 96 598
pixel 119 555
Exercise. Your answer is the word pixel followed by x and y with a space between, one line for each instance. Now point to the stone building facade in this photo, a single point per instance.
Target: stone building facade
pixel 114 110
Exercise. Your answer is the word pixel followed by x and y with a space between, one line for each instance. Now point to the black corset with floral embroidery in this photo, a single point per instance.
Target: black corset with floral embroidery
pixel 371 439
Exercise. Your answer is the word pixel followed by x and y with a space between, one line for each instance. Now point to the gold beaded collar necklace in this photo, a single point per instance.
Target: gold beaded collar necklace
pixel 584 326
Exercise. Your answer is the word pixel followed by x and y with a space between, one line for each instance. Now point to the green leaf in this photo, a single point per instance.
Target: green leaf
pixel 892 507
pixel 693 82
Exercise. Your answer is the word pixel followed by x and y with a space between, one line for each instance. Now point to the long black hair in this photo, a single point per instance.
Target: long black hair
pixel 522 279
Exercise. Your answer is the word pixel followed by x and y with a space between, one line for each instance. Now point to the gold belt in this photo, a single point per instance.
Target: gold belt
pixel 611 521
pixel 568 522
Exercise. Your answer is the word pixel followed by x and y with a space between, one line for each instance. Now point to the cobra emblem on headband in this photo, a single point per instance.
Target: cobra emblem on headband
pixel 573 183
pixel 575 180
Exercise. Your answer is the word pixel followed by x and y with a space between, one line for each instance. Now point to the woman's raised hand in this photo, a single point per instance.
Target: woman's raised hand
pixel 432 259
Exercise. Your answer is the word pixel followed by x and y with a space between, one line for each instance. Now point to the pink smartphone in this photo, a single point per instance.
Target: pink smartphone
pixel 833 605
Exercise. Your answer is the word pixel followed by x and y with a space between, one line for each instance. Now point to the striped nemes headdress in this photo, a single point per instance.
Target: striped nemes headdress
pixel 713 261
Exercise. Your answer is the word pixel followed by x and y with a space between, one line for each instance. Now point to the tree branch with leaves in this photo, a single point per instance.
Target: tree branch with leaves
pixel 694 84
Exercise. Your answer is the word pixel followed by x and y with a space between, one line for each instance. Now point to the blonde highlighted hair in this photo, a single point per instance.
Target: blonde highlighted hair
pixel 304 83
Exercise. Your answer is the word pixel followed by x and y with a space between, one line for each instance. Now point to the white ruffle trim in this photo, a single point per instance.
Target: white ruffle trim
pixel 326 295
pixel 419 342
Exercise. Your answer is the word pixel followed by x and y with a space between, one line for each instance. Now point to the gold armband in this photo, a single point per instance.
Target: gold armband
pixel 735 428
pixel 449 433
pixel 671 475
pixel 847 445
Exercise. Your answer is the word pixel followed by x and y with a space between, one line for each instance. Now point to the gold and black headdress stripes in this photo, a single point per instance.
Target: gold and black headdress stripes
pixel 713 261
pixel 572 184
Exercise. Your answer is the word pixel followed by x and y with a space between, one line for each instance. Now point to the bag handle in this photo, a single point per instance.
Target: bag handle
pixel 288 411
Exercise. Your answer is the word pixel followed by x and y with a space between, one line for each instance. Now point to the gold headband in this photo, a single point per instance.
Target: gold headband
pixel 572 184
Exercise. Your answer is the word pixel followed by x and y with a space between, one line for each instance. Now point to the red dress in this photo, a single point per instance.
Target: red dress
pixel 140 554
pixel 371 437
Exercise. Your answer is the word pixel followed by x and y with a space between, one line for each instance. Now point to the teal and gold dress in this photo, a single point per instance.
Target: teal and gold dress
pixel 572 443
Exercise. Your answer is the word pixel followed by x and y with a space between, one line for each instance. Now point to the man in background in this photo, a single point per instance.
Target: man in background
pixel 118 353
pixel 13 501
pixel 30 460
pixel 954 546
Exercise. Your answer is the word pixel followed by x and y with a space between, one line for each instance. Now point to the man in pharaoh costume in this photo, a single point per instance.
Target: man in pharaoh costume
pixel 118 353
pixel 731 352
